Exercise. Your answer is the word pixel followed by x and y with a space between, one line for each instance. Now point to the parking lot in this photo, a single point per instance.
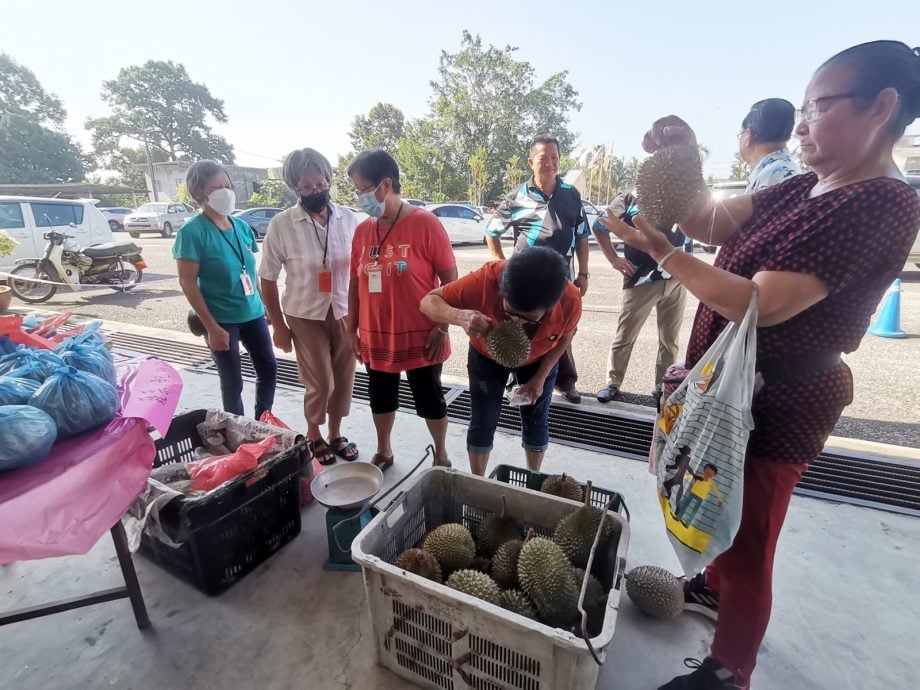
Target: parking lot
pixel 884 408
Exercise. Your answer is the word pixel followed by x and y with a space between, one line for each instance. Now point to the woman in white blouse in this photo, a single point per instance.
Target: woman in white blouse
pixel 311 242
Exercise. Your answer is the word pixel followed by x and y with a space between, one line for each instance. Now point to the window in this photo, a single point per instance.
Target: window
pixel 446 212
pixel 47 215
pixel 11 216
pixel 467 214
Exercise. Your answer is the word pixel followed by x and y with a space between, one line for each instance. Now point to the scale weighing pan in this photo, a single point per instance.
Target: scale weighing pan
pixel 347 486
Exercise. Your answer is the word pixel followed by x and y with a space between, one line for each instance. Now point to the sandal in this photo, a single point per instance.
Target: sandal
pixel 321 451
pixel 344 448
pixel 382 462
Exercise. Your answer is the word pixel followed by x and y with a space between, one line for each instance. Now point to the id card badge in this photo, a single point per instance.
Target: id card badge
pixel 325 281
pixel 374 280
pixel 248 289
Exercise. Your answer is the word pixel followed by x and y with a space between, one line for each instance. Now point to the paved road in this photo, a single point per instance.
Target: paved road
pixel 887 383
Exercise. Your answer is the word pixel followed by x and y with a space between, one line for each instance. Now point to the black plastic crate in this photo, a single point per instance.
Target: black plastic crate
pixel 520 476
pixel 227 535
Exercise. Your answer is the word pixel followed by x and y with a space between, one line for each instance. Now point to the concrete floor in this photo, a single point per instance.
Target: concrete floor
pixel 844 616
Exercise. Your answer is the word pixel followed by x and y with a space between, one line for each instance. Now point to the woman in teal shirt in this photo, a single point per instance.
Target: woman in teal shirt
pixel 217 272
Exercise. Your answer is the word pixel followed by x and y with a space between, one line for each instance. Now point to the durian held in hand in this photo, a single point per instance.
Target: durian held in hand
pixel 508 344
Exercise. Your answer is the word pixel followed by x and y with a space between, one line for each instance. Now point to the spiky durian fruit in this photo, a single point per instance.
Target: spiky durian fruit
pixel 655 591
pixel 476 584
pixel 669 185
pixel 563 486
pixel 495 530
pixel 420 562
pixel 508 344
pixel 453 546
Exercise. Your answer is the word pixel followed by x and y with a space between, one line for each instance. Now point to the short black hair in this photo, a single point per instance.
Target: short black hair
pixel 710 466
pixel 534 278
pixel 544 139
pixel 374 166
pixel 879 65
pixel 771 119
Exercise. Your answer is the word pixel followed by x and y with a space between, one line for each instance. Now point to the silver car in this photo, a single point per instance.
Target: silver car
pixel 164 217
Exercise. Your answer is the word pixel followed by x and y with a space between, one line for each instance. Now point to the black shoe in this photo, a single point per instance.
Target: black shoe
pixel 700 599
pixel 571 394
pixel 608 393
pixel 707 675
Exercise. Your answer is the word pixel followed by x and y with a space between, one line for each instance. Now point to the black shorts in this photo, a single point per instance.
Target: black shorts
pixel 425 382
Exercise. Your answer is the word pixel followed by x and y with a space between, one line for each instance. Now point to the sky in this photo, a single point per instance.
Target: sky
pixel 294 73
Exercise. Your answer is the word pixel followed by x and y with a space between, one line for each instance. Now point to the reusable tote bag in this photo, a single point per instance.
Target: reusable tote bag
pixel 700 443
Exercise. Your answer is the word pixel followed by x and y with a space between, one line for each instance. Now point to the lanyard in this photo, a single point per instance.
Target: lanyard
pixel 238 249
pixel 375 250
pixel 316 232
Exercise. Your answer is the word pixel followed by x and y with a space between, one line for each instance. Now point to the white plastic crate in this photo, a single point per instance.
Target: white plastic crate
pixel 438 637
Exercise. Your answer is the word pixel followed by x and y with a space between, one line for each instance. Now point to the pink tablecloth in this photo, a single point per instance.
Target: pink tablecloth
pixel 64 504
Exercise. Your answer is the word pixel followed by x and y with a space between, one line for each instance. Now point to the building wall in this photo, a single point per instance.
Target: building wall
pixel 168 177
pixel 907 154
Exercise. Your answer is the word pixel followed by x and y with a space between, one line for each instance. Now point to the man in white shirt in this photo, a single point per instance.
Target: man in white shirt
pixel 311 243
pixel 762 143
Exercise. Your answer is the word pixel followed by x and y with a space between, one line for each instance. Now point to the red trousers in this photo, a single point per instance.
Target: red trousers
pixel 742 576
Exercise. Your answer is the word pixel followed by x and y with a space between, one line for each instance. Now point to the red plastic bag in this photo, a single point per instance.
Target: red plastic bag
pixel 210 473
pixel 268 418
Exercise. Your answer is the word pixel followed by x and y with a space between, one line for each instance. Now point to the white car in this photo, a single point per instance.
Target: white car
pixel 26 219
pixel 463 224
pixel 116 216
pixel 163 217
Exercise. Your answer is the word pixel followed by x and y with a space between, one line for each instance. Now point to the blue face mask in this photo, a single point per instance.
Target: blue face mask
pixel 368 203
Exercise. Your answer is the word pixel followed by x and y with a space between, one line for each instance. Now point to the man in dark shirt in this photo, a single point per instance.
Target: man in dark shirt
pixel 546 212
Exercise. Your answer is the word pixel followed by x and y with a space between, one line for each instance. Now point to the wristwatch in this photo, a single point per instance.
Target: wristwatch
pixel 584 275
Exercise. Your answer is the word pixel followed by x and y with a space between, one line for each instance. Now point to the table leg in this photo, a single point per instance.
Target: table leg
pixel 130 575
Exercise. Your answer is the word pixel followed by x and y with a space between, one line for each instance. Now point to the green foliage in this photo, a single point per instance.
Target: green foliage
pixel 35 154
pixel 380 129
pixel 22 94
pixel 740 170
pixel 343 191
pixel 160 99
pixel 479 176
pixel 608 175
pixel 183 195
pixel 273 193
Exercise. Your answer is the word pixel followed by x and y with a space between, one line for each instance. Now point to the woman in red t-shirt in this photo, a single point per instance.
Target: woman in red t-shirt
pixel 398 255
pixel 821 248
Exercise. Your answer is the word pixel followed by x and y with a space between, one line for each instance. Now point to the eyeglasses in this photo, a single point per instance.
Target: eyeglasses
pixel 522 318
pixel 315 189
pixel 809 110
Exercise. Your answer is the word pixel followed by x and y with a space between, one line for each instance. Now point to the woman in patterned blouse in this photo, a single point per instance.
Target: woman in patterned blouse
pixel 821 248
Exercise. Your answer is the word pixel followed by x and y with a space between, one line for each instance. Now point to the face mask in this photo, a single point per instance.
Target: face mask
pixel 368 203
pixel 222 200
pixel 315 202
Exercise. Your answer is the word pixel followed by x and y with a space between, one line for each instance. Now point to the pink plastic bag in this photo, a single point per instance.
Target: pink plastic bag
pixel 268 418
pixel 210 473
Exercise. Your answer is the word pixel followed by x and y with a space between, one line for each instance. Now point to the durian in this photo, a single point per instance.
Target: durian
pixel 476 584
pixel 421 563
pixel 549 580
pixel 563 486
pixel 576 531
pixel 453 546
pixel 495 530
pixel 504 563
pixel 518 602
pixel 669 185
pixel 655 591
pixel 481 564
pixel 508 344
pixel 594 602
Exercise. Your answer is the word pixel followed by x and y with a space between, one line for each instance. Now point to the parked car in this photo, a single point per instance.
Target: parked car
pixel 258 218
pixel 463 224
pixel 164 217
pixel 914 181
pixel 115 215
pixel 26 219
pixel 416 202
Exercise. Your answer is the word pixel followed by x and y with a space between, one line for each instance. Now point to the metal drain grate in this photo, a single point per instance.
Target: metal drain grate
pixel 848 478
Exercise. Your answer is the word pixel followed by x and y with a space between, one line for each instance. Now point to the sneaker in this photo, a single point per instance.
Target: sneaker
pixel 608 393
pixel 571 394
pixel 700 599
pixel 707 675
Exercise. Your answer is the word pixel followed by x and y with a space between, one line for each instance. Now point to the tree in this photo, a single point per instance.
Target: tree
pixel 425 168
pixel 380 129
pixel 158 100
pixel 33 154
pixel 479 176
pixel 22 94
pixel 131 163
pixel 343 191
pixel 514 173
pixel 486 98
pixel 273 193
pixel 739 170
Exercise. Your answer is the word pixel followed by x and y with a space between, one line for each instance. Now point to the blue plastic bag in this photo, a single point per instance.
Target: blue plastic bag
pixel 6 345
pixel 29 363
pixel 26 436
pixel 87 352
pixel 16 391
pixel 76 401
pixel 32 321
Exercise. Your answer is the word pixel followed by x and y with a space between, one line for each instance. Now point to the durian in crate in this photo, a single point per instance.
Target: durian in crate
pixel 515 600
pixel 547 577
pixel 508 344
pixel 655 591
pixel 476 584
pixel 504 563
pixel 420 562
pixel 453 546
pixel 563 486
pixel 495 530
pixel 669 185
pixel 576 531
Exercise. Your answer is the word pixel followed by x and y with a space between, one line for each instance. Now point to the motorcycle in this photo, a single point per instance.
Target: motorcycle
pixel 118 265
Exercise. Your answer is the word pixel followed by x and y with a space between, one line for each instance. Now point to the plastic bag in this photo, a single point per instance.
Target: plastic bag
pixel 26 436
pixel 76 401
pixel 29 363
pixel 268 418
pixel 6 345
pixel 87 352
pixel 673 377
pixel 16 391
pixel 210 473
pixel 705 426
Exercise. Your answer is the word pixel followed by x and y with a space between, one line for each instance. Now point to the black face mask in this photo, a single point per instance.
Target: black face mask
pixel 315 202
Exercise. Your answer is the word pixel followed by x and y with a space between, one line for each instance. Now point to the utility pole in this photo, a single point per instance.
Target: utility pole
pixel 153 182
